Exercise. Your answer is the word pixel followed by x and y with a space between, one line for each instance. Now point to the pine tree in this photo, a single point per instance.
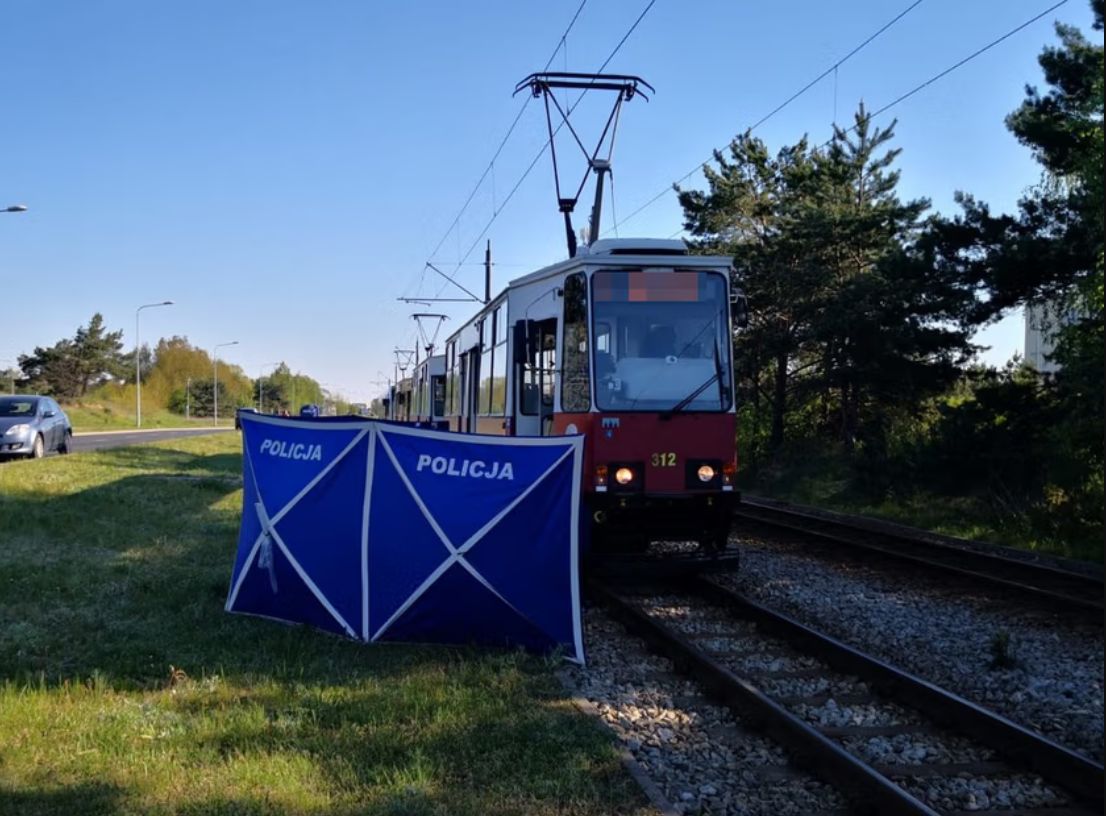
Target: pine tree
pixel 887 336
pixel 70 367
pixel 846 319
pixel 749 211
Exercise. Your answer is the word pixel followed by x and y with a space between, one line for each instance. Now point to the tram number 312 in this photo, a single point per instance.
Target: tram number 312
pixel 663 460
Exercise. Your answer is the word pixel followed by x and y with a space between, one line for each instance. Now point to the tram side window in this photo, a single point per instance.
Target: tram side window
pixel 499 364
pixel 576 386
pixel 438 386
pixel 451 379
pixel 485 396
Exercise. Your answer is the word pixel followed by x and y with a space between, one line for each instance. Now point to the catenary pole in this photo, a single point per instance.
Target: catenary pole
pixel 138 362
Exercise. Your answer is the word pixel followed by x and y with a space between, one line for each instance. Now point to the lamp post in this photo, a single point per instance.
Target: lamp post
pixel 215 376
pixel 138 362
pixel 260 383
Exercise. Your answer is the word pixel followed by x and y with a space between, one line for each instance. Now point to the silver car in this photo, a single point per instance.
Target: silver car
pixel 32 426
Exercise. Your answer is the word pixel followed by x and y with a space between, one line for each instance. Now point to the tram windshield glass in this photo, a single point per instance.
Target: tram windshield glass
pixel 662 341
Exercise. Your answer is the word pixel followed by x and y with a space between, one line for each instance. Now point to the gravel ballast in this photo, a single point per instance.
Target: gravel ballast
pixel 952 637
pixel 849 704
pixel 700 756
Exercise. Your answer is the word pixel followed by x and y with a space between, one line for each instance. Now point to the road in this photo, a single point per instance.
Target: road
pixel 100 441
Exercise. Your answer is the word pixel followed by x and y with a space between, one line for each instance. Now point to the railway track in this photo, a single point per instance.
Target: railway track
pixel 1046 580
pixel 831 706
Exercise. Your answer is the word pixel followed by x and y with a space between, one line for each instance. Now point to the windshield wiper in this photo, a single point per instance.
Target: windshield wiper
pixel 690 398
pixel 686 401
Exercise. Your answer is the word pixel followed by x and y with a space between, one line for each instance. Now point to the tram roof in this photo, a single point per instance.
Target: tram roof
pixel 624 252
pixel 618 252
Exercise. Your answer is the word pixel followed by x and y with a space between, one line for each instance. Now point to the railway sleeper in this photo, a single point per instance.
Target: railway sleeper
pixel 826 747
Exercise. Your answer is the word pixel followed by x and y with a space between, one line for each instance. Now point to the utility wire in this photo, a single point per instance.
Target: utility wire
pixel 835 66
pixel 545 146
pixel 560 44
pixel 950 69
pixel 831 69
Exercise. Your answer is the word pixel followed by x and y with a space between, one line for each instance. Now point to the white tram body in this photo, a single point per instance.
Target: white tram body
pixel 428 397
pixel 630 343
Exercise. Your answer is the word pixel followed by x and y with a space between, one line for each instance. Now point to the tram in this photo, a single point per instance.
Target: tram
pixel 628 343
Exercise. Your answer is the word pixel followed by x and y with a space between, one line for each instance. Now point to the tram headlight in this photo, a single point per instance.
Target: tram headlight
pixel 624 476
pixel 706 473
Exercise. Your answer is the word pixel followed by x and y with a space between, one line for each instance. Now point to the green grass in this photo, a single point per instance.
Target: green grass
pixel 89 417
pixel 125 688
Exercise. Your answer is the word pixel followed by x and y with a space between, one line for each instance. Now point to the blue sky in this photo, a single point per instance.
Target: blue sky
pixel 282 170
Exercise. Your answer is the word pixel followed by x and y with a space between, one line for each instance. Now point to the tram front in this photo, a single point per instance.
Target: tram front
pixel 655 355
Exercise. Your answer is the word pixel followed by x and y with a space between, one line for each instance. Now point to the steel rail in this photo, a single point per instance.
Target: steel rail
pixel 871 788
pixel 1019 745
pixel 1048 584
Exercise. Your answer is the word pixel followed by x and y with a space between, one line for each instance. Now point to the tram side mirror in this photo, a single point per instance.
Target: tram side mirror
pixel 739 309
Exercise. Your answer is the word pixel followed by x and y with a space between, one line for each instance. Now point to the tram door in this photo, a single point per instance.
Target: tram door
pixel 535 372
pixel 470 388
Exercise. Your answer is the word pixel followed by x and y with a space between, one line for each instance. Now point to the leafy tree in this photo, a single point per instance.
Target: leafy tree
pixel 146 364
pixel 1051 251
pixel 993 437
pixel 844 310
pixel 880 330
pixel 70 367
pixel 177 360
pixel 8 378
pixel 201 399
pixel 749 211
pixel 271 395
pixel 1063 127
pixel 292 391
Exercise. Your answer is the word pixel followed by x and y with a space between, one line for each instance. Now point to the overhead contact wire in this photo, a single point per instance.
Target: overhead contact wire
pixel 507 135
pixel 951 68
pixel 545 147
pixel 781 106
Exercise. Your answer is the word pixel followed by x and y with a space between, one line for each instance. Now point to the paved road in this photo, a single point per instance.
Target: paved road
pixel 99 441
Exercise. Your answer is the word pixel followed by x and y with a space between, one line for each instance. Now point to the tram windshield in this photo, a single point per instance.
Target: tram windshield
pixel 662 341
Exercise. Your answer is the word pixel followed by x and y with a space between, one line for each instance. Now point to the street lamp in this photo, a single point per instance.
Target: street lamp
pixel 138 362
pixel 260 381
pixel 15 208
pixel 215 375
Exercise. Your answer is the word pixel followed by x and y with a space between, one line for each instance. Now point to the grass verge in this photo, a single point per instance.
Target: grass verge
pixel 125 688
pixel 90 417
